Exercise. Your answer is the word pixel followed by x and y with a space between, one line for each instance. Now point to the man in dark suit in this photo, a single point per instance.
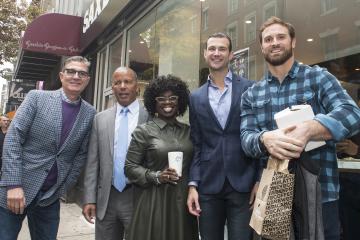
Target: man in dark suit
pixel 112 204
pixel 45 149
pixel 223 181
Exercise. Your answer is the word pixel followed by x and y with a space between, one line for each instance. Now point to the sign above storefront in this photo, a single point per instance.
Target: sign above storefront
pixel 95 9
pixel 97 17
pixel 53 33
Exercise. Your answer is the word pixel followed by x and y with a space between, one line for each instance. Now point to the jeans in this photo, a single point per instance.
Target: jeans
pixel 43 221
pixel 227 206
pixel 331 221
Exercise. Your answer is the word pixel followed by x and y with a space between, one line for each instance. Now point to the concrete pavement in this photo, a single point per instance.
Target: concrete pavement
pixel 73 226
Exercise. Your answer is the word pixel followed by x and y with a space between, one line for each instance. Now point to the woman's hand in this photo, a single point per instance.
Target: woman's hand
pixel 168 175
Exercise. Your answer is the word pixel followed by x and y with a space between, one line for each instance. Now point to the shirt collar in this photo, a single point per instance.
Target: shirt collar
pixel 66 99
pixel 292 73
pixel 161 123
pixel 133 107
pixel 227 80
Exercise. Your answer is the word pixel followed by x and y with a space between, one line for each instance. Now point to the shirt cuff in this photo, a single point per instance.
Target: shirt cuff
pixel 337 130
pixel 193 183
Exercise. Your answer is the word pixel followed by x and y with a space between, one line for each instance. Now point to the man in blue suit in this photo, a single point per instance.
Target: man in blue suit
pixel 44 151
pixel 223 181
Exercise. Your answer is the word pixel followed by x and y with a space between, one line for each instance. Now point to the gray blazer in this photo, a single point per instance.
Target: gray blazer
pixel 99 165
pixel 32 145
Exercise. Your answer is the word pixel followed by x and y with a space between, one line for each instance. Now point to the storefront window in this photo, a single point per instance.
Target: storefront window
pixel 100 78
pixel 114 58
pixel 327 6
pixel 166 41
pixel 328 35
pixel 141 48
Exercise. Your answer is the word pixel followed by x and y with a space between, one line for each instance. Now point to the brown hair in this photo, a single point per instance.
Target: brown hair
pixel 220 35
pixel 275 20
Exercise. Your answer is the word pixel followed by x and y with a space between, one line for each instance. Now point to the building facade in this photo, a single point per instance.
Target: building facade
pixel 168 36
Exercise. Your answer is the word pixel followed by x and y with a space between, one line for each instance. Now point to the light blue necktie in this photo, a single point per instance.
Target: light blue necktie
pixel 121 150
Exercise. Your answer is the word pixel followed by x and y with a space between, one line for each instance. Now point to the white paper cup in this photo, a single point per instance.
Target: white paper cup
pixel 176 161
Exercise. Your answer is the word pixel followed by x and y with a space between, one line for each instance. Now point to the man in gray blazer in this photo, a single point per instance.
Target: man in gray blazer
pixel 45 149
pixel 106 197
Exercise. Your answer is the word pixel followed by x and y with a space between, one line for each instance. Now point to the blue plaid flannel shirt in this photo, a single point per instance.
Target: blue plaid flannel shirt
pixel 332 107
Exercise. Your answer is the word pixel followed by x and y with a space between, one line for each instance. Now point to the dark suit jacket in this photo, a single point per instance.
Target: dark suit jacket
pixel 217 152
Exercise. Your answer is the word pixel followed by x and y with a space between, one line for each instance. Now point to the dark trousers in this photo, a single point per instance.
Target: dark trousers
pixel 116 222
pixel 330 212
pixel 349 205
pixel 43 221
pixel 227 206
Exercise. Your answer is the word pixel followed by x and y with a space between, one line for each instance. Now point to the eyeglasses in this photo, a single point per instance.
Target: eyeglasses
pixel 171 99
pixel 72 72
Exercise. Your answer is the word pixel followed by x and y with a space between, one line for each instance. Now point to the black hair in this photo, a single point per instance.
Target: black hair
pixel 162 84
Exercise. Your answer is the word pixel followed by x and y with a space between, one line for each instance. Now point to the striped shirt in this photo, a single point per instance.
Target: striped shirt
pixel 332 107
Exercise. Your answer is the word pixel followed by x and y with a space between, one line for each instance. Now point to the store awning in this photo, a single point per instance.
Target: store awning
pixel 46 39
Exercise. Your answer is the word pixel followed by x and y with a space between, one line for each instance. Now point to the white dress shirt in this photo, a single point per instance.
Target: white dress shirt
pixel 133 116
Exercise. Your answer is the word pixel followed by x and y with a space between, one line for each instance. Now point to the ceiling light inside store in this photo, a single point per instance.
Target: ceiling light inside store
pixel 301 63
pixel 202 0
pixel 142 42
pixel 130 51
pixel 248 21
pixel 357 69
pixel 310 39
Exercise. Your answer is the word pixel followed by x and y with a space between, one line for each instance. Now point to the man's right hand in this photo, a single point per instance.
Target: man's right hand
pixel 281 146
pixel 89 212
pixel 193 201
pixel 16 200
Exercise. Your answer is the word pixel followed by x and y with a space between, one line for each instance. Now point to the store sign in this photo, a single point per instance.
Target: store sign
pixel 53 33
pixel 95 9
pixel 18 91
pixel 48 47
pixel 97 17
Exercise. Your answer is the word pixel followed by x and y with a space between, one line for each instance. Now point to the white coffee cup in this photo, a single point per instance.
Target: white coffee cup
pixel 176 161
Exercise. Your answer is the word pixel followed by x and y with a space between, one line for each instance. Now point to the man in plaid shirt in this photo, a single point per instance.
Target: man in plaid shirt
pixel 289 83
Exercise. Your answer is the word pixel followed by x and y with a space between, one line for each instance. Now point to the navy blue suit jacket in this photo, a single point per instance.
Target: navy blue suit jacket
pixel 217 152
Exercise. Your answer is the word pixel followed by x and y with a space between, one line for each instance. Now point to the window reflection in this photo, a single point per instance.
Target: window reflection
pixel 333 28
pixel 114 58
pixel 166 41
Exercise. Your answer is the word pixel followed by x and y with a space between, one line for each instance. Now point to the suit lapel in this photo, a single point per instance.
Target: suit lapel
pixel 235 97
pixel 205 101
pixel 57 115
pixel 110 128
pixel 143 116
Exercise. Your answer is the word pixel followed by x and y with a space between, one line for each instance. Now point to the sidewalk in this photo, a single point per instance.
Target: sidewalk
pixel 72 225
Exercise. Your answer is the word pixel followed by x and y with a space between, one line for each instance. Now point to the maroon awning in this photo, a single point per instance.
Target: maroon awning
pixel 46 39
pixel 54 33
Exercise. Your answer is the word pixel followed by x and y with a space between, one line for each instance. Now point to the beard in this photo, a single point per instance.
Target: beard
pixel 281 59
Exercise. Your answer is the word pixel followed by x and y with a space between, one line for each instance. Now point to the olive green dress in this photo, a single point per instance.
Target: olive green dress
pixel 160 211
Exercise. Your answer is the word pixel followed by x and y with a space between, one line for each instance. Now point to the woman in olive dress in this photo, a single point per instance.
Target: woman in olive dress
pixel 160 211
